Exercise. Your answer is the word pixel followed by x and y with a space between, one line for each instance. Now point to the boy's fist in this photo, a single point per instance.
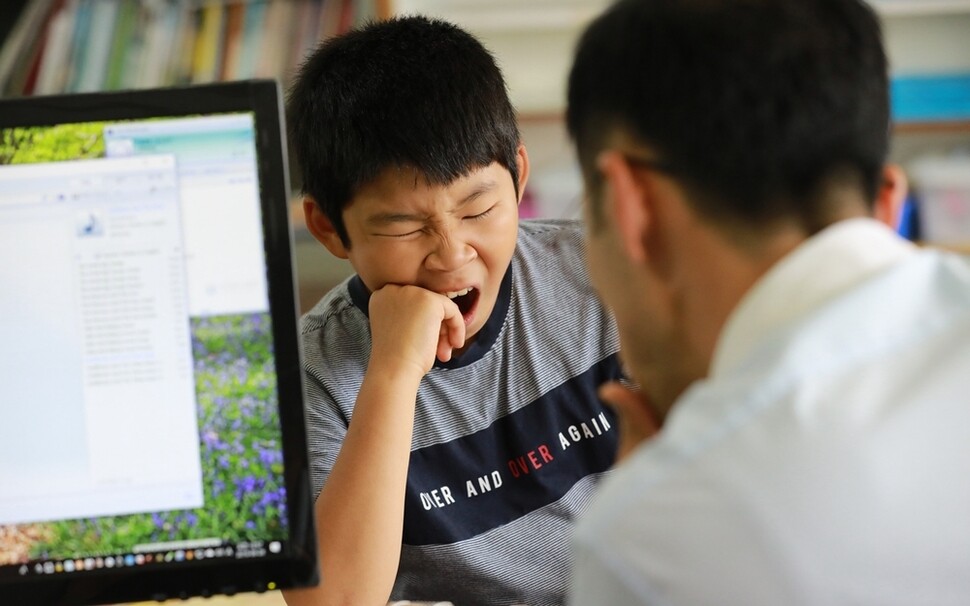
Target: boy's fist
pixel 411 326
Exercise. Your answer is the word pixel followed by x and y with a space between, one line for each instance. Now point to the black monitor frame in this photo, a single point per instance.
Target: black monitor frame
pixel 297 565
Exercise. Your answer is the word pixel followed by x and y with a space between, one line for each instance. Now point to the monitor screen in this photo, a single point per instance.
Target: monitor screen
pixel 152 442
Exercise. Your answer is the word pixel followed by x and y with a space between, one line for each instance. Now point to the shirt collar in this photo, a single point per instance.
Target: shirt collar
pixel 819 269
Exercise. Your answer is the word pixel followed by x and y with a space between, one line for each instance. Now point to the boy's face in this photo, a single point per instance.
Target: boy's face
pixel 456 239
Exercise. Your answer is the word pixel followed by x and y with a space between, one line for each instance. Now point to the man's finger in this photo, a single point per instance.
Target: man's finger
pixel 638 422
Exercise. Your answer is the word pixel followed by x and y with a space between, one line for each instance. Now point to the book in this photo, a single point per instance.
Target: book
pixel 306 36
pixel 26 79
pixel 270 50
pixel 100 36
pixel 346 16
pixel 79 45
pixel 206 57
pixel 252 40
pixel 135 53
pixel 235 17
pixel 124 43
pixel 365 12
pixel 161 24
pixel 330 18
pixel 180 71
pixel 24 74
pixel 19 45
pixel 54 66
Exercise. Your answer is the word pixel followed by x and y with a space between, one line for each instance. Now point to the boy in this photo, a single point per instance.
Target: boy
pixel 455 373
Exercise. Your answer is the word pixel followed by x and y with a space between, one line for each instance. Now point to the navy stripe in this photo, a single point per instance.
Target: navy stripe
pixel 523 461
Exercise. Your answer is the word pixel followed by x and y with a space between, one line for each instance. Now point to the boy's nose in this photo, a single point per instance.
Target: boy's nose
pixel 450 254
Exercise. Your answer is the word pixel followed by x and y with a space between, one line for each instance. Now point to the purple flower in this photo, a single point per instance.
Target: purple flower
pixel 211 440
pixel 268 456
pixel 246 485
pixel 270 498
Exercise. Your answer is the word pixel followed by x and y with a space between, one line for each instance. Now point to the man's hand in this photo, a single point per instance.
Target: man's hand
pixel 411 325
pixel 638 421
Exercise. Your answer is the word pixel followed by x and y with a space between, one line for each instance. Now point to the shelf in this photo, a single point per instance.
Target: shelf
pixel 929 127
pixel 919 8
pixel 508 16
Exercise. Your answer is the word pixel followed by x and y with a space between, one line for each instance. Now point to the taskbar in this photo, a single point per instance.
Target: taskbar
pixel 154 554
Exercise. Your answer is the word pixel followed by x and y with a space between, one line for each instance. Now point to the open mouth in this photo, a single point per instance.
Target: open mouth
pixel 466 300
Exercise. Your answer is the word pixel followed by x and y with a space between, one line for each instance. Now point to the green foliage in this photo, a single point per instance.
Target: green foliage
pixel 25 145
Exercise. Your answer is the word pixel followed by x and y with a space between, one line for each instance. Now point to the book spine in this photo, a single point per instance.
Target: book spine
pixel 52 75
pixel 19 45
pixel 123 43
pixel 79 45
pixel 207 51
pixel 93 70
pixel 253 38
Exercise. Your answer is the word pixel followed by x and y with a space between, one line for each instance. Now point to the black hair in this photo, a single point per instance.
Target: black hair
pixel 756 105
pixel 410 92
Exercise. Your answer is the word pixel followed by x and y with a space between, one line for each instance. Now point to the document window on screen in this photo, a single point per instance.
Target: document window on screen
pixel 98 335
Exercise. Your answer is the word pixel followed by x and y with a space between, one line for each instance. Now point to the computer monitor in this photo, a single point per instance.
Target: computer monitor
pixel 152 440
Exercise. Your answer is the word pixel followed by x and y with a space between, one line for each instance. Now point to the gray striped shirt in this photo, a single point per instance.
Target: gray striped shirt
pixel 509 439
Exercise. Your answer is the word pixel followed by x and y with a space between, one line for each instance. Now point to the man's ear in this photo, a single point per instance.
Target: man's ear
pixel 522 163
pixel 626 205
pixel 322 228
pixel 892 194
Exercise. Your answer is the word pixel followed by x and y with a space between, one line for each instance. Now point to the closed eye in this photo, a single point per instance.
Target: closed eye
pixel 404 235
pixel 482 215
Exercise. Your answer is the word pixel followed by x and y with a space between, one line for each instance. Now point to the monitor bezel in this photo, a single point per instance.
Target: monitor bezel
pixel 296 565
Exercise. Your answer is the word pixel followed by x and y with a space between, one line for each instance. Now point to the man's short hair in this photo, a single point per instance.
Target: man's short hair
pixel 757 106
pixel 410 92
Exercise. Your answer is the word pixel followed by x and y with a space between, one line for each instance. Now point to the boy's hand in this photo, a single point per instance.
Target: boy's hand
pixel 638 421
pixel 411 325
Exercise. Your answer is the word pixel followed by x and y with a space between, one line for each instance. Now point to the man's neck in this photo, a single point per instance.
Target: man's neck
pixel 714 277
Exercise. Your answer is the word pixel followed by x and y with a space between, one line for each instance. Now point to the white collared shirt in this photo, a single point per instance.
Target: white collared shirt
pixel 826 459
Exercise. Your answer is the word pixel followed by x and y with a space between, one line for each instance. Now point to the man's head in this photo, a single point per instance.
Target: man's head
pixel 411 159
pixel 714 137
pixel 757 106
pixel 408 93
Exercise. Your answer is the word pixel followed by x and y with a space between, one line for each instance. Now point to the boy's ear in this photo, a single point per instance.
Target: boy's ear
pixel 626 205
pixel 891 196
pixel 322 228
pixel 522 163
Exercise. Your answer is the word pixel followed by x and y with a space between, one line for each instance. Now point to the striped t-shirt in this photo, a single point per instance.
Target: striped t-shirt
pixel 509 438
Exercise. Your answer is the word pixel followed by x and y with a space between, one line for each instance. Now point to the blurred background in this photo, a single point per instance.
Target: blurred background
pixel 54 46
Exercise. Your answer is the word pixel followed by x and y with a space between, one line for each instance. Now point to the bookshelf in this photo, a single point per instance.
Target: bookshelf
pixel 64 46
